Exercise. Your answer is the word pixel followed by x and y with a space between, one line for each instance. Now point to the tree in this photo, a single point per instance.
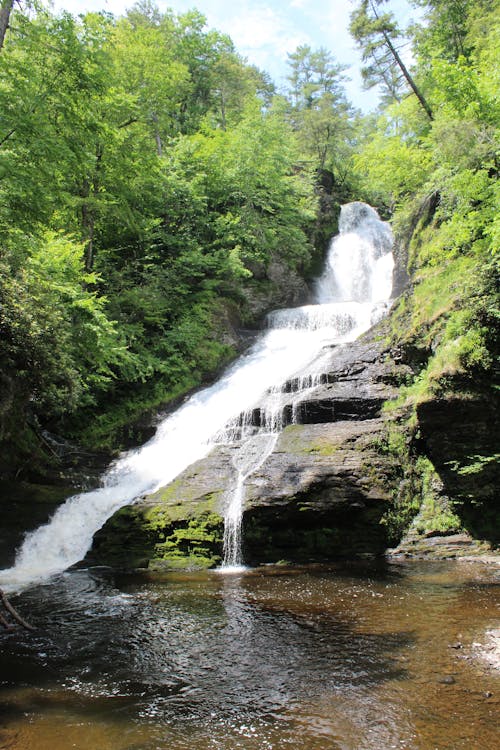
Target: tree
pixel 145 175
pixel 320 112
pixel 377 35
pixel 313 74
pixel 446 29
pixel 5 11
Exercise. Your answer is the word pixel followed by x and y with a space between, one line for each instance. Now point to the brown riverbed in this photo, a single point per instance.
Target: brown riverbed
pixel 349 657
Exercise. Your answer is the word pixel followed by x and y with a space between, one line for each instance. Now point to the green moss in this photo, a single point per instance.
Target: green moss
pixel 197 543
pixel 292 440
pixel 436 515
pixel 179 500
pixel 450 315
pixel 138 537
pixel 478 464
pixel 405 495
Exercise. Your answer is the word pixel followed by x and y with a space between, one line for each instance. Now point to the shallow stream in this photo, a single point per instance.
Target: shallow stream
pixel 347 657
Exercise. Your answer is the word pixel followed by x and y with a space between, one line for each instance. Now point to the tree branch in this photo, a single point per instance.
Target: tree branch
pixel 16 616
pixel 128 122
pixel 6 137
pixel 403 68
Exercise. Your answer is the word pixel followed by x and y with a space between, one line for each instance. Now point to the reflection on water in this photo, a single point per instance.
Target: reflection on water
pixel 344 658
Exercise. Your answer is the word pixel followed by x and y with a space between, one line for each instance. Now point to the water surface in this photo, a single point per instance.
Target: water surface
pixel 326 658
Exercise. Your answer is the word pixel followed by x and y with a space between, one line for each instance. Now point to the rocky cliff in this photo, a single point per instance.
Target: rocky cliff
pixel 397 448
pixel 349 478
pixel 325 490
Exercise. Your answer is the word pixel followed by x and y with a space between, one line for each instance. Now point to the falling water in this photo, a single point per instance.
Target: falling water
pixel 248 459
pixel 351 294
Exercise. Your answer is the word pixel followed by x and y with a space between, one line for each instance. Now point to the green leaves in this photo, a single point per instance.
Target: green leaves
pixel 146 174
pixel 56 338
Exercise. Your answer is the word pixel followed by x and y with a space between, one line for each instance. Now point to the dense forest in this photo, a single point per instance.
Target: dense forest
pixel 158 195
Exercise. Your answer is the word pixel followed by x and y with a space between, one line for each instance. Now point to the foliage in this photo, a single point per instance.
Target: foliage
pixel 148 173
pixel 379 37
pixel 57 343
pixel 145 174
pixel 320 112
pixel 453 309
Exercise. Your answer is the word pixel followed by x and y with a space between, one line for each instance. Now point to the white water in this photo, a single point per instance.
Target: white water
pixel 351 295
pixel 249 458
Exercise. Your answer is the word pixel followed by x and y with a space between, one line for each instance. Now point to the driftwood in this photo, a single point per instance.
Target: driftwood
pixel 13 613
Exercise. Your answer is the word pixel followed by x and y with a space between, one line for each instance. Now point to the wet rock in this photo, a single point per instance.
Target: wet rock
pixel 321 493
pixel 456 430
pixel 444 546
pixel 276 286
pixel 446 680
pixel 327 487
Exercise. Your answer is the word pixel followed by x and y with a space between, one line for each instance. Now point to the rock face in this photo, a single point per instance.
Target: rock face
pixel 274 287
pixel 349 474
pixel 456 431
pixel 322 493
pixel 346 478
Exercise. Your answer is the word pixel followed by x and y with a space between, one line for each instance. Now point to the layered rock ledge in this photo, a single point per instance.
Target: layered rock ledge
pixel 321 494
pixel 346 479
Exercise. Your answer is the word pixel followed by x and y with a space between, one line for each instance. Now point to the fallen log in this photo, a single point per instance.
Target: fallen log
pixel 13 613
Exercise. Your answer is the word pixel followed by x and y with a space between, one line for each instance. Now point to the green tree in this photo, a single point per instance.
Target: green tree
pixel 147 175
pixel 321 114
pixel 377 35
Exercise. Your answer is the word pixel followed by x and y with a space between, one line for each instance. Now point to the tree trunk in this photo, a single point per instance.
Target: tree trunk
pixel 5 11
pixel 90 189
pixel 158 141
pixel 14 614
pixel 409 79
pixel 223 110
pixel 404 70
pixel 88 222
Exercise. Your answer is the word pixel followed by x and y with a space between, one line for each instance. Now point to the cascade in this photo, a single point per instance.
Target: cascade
pixel 253 400
pixel 249 458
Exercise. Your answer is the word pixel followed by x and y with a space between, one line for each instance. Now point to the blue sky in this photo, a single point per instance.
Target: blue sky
pixel 264 31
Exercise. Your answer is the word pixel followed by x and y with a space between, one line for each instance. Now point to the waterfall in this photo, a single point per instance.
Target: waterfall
pixel 245 408
pixel 249 457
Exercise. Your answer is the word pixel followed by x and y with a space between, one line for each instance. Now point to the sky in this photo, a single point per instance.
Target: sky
pixel 264 31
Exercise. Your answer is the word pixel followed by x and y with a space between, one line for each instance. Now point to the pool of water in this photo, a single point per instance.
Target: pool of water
pixel 349 657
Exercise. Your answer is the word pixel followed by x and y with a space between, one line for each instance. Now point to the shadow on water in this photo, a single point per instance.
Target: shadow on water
pixel 191 633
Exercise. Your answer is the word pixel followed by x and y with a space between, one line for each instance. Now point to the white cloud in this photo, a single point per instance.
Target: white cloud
pixel 262 27
pixel 262 33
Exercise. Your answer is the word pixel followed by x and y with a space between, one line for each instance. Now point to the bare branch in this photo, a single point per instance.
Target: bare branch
pixel 16 616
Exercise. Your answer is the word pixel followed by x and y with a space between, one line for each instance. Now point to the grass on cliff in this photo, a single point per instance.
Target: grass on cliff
pixel 450 315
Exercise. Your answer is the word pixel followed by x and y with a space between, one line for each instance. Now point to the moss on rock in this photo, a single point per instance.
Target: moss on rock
pixel 154 537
